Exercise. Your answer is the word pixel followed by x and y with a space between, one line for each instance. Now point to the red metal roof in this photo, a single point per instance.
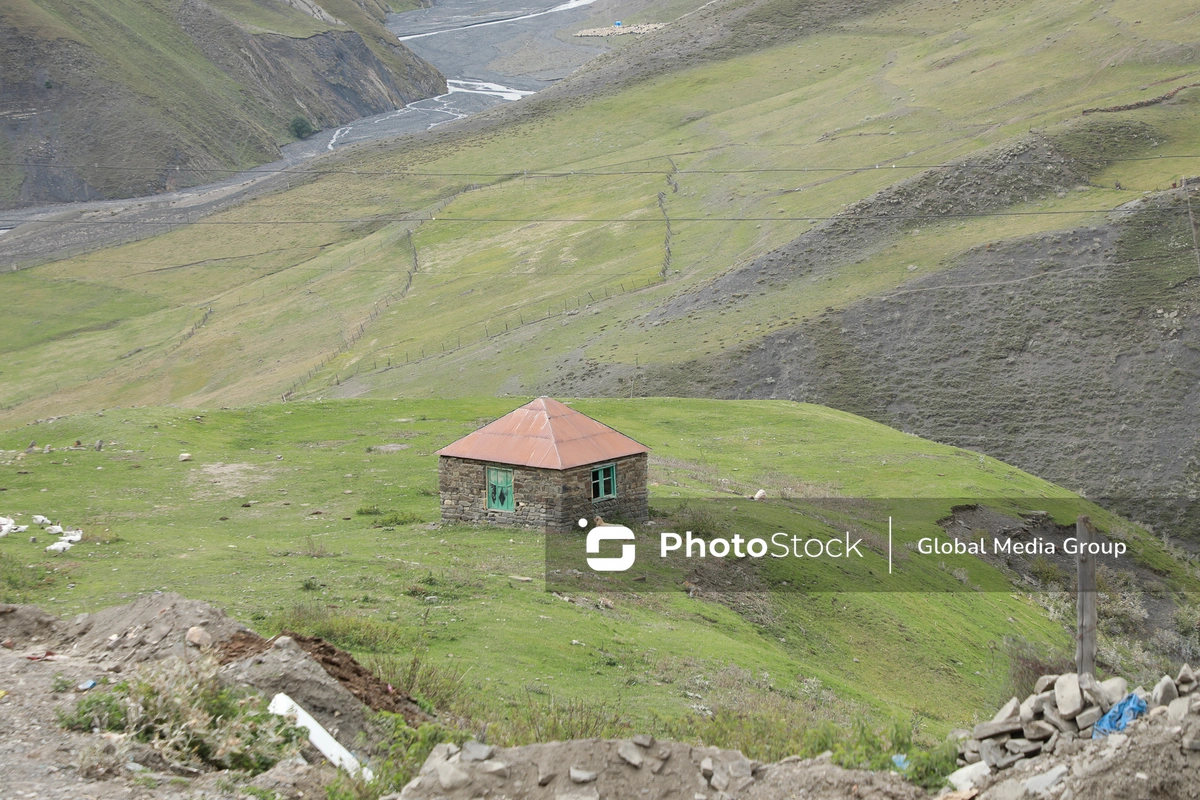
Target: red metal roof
pixel 544 434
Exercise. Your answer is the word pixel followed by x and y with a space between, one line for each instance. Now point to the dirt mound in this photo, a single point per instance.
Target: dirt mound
pixel 338 664
pixel 374 693
pixel 27 625
pixel 147 629
pixel 640 767
pixel 287 668
pixel 242 644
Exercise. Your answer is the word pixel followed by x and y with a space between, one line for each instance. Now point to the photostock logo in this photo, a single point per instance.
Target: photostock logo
pixel 603 532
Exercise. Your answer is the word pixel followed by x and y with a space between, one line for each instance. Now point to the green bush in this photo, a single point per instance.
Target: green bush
pixel 99 711
pixel 395 518
pixel 182 709
pixel 403 751
pixel 301 128
pixel 1047 572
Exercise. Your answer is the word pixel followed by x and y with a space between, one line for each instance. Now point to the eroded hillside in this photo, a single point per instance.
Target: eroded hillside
pixel 128 98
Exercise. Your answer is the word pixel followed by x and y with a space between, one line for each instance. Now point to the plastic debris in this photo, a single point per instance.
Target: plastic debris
pixel 284 706
pixel 88 684
pixel 901 761
pixel 1119 716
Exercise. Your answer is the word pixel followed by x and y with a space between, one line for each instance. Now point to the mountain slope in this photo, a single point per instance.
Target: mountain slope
pixel 729 228
pixel 122 98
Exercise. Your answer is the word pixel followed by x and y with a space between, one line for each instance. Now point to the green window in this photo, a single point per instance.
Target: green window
pixel 604 482
pixel 499 489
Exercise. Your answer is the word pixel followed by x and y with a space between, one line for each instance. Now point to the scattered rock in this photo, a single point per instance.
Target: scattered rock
pixel 631 754
pixel 198 637
pixel 185 456
pixel 581 775
pixel 476 751
pixel 968 776
pixel 1047 780
pixel 450 777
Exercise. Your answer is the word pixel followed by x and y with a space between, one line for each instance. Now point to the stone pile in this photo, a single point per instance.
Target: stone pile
pixel 637 767
pixel 1062 709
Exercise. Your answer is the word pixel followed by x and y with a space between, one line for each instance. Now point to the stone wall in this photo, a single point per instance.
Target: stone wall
pixel 545 499
pixel 631 505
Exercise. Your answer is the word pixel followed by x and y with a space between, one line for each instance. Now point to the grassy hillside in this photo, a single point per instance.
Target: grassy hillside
pixel 649 240
pixel 267 520
pixel 119 98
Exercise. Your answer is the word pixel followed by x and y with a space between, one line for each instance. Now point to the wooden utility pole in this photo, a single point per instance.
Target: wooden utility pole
pixel 1085 600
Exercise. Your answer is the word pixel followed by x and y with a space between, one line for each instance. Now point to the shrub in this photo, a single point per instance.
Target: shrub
pixel 557 719
pixel 182 709
pixel 366 511
pixel 1027 662
pixel 405 751
pixel 98 711
pixel 301 128
pixel 1046 572
pixel 1187 618
pixel 436 688
pixel 395 518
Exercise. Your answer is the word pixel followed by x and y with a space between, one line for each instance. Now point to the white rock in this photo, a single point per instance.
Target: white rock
pixel 185 456
pixel 631 754
pixel 1177 709
pixel 476 751
pixel 578 793
pixel 1088 716
pixel 1043 683
pixel 1008 710
pixel 1047 780
pixel 1164 692
pixel 1115 689
pixel 450 777
pixel 581 775
pixel 969 775
pixel 1067 696
pixel 198 637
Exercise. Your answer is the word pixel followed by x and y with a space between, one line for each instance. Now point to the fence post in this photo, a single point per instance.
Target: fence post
pixel 1085 600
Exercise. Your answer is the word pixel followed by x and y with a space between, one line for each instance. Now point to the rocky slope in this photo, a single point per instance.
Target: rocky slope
pixel 1071 354
pixel 113 100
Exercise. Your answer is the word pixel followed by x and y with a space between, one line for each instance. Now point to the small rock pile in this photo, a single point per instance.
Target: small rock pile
pixel 639 767
pixel 1063 709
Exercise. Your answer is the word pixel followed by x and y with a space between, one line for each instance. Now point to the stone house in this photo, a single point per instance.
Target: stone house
pixel 543 466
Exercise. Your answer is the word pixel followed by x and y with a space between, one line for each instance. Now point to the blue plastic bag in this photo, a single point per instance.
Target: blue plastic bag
pixel 1119 716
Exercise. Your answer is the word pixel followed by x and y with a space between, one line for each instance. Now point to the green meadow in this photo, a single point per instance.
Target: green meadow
pixel 287 516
